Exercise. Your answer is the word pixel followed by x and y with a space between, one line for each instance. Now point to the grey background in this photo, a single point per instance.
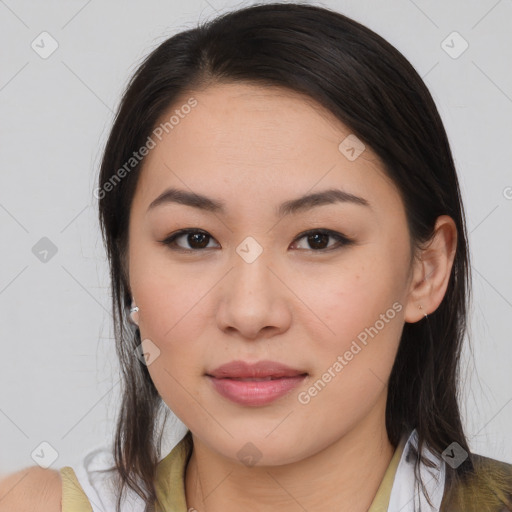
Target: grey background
pixel 58 369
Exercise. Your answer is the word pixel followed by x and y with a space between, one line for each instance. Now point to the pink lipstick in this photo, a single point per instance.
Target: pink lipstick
pixel 255 384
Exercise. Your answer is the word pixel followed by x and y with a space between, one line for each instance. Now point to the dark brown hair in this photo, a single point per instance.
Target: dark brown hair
pixel 371 88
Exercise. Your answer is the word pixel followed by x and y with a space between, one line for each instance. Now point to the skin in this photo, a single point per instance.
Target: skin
pixel 254 148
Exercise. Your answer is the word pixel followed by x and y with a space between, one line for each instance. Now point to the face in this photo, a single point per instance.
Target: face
pixel 321 289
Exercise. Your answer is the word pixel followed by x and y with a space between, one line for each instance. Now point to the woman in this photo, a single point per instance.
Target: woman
pixel 290 274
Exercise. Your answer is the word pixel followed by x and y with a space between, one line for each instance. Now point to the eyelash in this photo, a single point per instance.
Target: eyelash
pixel 342 240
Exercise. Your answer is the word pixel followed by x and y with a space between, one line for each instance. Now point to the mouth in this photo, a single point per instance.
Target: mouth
pixel 261 370
pixel 255 384
pixel 258 379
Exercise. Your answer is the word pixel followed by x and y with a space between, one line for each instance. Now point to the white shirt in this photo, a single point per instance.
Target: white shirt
pixel 406 494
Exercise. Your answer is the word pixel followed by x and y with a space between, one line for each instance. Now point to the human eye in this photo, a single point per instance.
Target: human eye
pixel 195 237
pixel 318 237
pixel 198 240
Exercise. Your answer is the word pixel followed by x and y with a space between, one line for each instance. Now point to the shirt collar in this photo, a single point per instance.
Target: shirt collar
pixel 396 490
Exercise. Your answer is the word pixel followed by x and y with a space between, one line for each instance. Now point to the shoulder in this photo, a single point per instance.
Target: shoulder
pixel 29 489
pixel 487 487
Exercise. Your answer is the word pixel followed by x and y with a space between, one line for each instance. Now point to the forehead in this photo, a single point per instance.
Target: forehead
pixel 266 142
pixel 232 115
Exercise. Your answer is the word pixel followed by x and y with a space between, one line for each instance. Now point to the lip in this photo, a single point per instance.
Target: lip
pixel 280 380
pixel 242 370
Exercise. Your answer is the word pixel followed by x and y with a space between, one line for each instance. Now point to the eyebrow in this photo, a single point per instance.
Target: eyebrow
pixel 293 206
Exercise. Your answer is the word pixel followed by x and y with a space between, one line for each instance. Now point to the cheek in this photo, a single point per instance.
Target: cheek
pixel 362 307
pixel 364 314
pixel 167 294
pixel 174 312
pixel 356 297
pixel 171 311
pixel 172 317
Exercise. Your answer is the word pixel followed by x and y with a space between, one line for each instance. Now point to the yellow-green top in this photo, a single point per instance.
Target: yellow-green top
pixel 170 482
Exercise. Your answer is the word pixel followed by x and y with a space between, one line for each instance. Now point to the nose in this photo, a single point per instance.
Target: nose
pixel 254 300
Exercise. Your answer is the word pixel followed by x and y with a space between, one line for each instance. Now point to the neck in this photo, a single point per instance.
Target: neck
pixel 344 476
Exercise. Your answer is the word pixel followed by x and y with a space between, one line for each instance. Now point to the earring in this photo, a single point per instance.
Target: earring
pixel 134 313
pixel 421 307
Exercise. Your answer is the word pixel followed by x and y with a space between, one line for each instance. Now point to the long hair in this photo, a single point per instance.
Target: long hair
pixel 371 88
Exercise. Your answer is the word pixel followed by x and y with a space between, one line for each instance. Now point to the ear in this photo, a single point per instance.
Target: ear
pixel 431 270
pixel 134 313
